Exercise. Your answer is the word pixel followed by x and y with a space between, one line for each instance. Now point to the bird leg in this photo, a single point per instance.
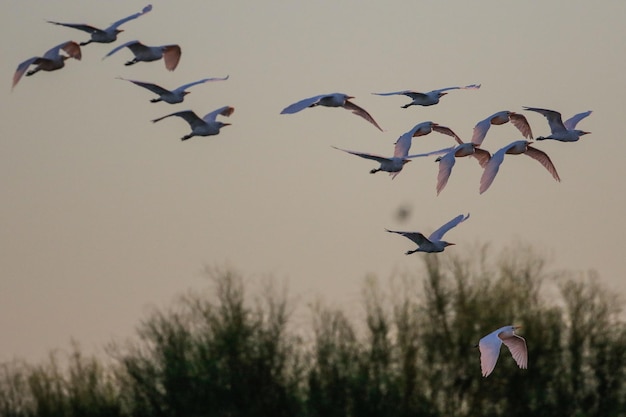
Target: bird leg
pixel 86 43
pixel 31 72
pixel 186 137
pixel 409 252
pixel 155 100
pixel 374 171
pixel 134 61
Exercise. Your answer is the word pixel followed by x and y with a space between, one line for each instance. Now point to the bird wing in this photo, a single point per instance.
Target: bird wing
pixel 467 87
pixel 71 48
pixel 224 111
pixel 359 111
pixel 431 153
pixel 133 45
pixel 114 25
pixel 416 237
pixel 171 56
pixel 21 69
pixel 186 86
pixel 403 145
pixel 189 116
pixel 517 346
pixel 520 122
pixel 543 159
pixel 409 93
pixel 492 167
pixel 446 163
pixel 79 26
pixel 489 347
pixel 571 123
pixel 438 234
pixel 152 87
pixel 554 118
pixel 447 131
pixel 480 130
pixel 482 155
pixel 302 104
pixel 365 155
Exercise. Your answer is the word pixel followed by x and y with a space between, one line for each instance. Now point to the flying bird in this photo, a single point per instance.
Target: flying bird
pixel 421 129
pixel 514 148
pixel 427 99
pixel 563 132
pixel 500 118
pixel 207 126
pixel 331 100
pixel 107 35
pixel 489 347
pixel 393 165
pixel 447 161
pixel 171 96
pixel 433 243
pixel 52 60
pixel 143 53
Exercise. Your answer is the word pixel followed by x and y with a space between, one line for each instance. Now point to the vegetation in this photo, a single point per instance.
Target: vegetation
pixel 412 354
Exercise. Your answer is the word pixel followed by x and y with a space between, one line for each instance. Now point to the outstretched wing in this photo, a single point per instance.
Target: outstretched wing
pixel 447 131
pixel 438 234
pixel 480 130
pixel 543 159
pixel 416 237
pixel 409 93
pixel 446 163
pixel 131 17
pixel 224 111
pixel 571 123
pixel 492 168
pixel 554 118
pixel 79 26
pixel 489 347
pixel 71 48
pixel 517 346
pixel 152 87
pixel 520 122
pixel 186 86
pixel 171 56
pixel 467 87
pixel 189 116
pixel 366 155
pixel 21 69
pixel 134 44
pixel 302 104
pixel 359 111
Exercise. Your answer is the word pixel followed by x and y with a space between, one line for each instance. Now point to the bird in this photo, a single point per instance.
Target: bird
pixel 447 161
pixel 171 96
pixel 514 148
pixel 500 118
pixel 107 35
pixel 331 100
pixel 169 53
pixel 207 126
pixel 52 60
pixel 427 99
pixel 563 132
pixel 393 165
pixel 433 243
pixel 489 347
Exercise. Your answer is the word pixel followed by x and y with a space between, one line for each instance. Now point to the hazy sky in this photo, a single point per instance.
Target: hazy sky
pixel 105 215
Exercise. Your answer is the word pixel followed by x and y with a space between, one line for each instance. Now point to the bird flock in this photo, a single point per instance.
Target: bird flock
pixel 208 125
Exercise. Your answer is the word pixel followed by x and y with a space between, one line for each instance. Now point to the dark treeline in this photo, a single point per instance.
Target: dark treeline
pixel 411 352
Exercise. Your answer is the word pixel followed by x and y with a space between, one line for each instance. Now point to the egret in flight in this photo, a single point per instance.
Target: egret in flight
pixel 426 99
pixel 433 243
pixel 562 131
pixel 205 126
pixel 169 53
pixel 489 347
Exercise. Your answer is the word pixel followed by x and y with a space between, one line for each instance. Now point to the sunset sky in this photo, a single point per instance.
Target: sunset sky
pixel 106 215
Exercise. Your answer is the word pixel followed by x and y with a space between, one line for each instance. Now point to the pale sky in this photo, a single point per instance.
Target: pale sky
pixel 105 215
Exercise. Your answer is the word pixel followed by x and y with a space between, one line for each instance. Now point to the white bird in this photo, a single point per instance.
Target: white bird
pixel 169 53
pixel 52 60
pixel 422 129
pixel 447 161
pixel 489 347
pixel 207 126
pixel 500 118
pixel 331 100
pixel 107 35
pixel 426 99
pixel 393 165
pixel 171 96
pixel 563 132
pixel 514 148
pixel 433 243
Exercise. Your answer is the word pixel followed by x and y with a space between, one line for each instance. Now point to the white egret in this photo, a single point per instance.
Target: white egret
pixel 433 243
pixel 205 126
pixel 562 131
pixel 500 118
pixel 169 53
pixel 107 35
pixel 52 60
pixel 330 100
pixel 171 96
pixel 489 347
pixel 514 148
pixel 426 99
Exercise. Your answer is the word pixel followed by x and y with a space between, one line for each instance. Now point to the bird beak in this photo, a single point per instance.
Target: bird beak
pixel 450 244
pixel 443 94
pixel 226 124
pixel 585 133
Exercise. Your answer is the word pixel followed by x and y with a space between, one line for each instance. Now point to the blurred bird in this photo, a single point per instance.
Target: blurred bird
pixel 52 60
pixel 433 243
pixel 426 99
pixel 393 165
pixel 489 347
pixel 563 132
pixel 500 118
pixel 107 35
pixel 331 100
pixel 207 126
pixel 171 96
pixel 143 53
pixel 514 148
pixel 447 161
